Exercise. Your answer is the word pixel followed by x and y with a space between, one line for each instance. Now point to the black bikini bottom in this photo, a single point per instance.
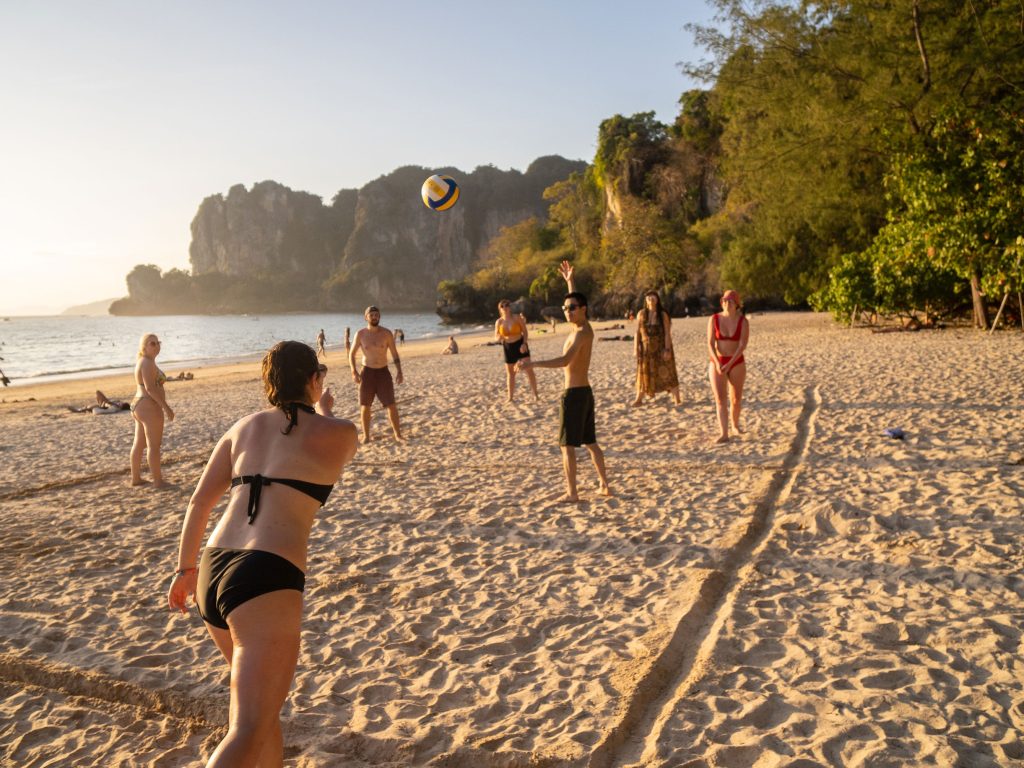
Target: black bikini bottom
pixel 229 577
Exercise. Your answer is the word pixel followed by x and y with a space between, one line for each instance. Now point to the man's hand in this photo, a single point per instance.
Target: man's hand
pixel 565 269
pixel 356 377
pixel 399 378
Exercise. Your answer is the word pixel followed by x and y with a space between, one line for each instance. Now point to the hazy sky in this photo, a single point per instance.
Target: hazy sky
pixel 118 118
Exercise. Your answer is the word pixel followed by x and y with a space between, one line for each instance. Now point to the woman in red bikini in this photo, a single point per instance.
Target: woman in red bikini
pixel 728 331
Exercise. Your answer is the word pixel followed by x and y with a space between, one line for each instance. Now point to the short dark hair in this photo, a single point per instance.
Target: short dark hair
pixel 579 297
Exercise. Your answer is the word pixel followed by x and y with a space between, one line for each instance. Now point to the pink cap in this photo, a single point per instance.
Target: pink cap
pixel 731 294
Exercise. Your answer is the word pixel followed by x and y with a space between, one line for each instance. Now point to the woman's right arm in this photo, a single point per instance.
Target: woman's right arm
pixel 638 343
pixel 712 352
pixel 497 336
pixel 215 481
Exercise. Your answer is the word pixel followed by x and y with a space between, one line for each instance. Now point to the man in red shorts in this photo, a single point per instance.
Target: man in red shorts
pixel 374 379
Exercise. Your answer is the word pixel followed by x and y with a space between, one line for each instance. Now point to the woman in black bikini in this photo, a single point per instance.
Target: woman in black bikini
pixel 279 466
pixel 728 332
pixel 511 331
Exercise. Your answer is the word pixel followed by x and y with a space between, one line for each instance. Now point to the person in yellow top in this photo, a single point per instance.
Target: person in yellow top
pixel 511 331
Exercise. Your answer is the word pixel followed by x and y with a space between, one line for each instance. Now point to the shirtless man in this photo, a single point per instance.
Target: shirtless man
pixel 375 379
pixel 320 340
pixel 577 410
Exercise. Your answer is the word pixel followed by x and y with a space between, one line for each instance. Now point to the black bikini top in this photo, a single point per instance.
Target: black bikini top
pixel 256 482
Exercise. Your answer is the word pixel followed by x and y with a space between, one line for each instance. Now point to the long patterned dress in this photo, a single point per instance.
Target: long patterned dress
pixel 654 373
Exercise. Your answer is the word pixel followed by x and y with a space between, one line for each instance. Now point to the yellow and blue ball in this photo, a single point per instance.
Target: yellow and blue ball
pixel 440 192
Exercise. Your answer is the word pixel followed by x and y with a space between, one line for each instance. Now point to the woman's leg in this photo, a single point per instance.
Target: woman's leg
pixel 510 380
pixel 152 418
pixel 264 653
pixel 138 445
pixel 718 387
pixel 737 376
pixel 639 382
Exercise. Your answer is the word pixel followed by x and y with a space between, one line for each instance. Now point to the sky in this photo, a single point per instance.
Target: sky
pixel 118 118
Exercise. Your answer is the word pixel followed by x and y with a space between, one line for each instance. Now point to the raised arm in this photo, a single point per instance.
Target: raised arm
pixel 565 268
pixel 215 481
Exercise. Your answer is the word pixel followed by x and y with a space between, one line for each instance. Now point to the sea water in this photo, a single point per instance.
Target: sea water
pixel 39 349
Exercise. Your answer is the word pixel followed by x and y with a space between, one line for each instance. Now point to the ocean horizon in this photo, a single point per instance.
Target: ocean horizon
pixel 43 348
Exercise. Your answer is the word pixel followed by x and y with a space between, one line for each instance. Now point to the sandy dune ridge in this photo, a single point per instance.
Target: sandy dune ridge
pixel 812 594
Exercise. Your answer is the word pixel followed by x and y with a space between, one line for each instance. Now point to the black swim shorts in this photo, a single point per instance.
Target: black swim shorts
pixel 577 414
pixel 512 351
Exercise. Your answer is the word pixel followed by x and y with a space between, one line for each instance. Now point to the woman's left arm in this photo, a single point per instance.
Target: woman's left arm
pixel 666 323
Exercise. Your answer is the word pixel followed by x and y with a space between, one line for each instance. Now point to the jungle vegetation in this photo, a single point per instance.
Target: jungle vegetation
pixel 850 156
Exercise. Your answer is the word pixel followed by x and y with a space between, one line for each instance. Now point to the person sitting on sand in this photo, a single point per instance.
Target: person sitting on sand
pixel 452 348
pixel 728 332
pixel 577 408
pixel 511 331
pixel 374 379
pixel 148 408
pixel 278 466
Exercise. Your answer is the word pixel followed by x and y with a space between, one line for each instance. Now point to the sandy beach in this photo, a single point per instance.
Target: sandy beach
pixel 812 593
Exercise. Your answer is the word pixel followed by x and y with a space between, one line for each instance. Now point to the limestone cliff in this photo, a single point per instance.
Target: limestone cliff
pixel 378 244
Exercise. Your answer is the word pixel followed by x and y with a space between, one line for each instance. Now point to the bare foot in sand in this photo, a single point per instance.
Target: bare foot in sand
pixel 365 439
pixel 135 483
pixel 399 438
pixel 567 499
pixel 604 490
pixel 737 429
pixel 722 439
pixel 636 403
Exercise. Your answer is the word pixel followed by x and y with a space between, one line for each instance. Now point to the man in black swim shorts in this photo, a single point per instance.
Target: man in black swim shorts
pixel 577 410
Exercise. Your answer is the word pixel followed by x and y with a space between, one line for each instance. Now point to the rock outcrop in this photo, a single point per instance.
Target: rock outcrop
pixel 379 244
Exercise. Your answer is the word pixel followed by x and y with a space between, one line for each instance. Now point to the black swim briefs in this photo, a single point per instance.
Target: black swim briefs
pixel 229 577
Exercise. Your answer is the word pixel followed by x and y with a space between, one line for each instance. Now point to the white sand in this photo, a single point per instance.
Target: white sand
pixel 812 594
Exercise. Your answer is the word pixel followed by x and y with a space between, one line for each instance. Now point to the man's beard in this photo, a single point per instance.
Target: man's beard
pixel 373 322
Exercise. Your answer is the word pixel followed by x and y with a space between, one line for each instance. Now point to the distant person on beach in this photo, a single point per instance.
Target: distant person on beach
pixel 511 331
pixel 655 358
pixel 374 379
pixel 149 406
pixel 452 348
pixel 400 336
pixel 278 466
pixel 320 340
pixel 728 332
pixel 348 340
pixel 577 408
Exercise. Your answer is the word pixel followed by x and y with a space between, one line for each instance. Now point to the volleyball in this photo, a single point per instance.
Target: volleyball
pixel 440 193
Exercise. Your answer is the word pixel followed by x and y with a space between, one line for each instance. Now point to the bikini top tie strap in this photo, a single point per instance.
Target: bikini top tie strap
pixel 292 409
pixel 255 483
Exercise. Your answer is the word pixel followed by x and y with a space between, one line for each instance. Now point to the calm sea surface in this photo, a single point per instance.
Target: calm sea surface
pixel 37 349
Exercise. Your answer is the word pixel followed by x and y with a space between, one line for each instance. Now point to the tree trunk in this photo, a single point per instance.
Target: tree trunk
pixel 980 313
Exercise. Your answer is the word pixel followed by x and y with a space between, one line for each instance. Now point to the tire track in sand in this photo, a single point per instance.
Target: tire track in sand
pixel 670 677
pixel 111 694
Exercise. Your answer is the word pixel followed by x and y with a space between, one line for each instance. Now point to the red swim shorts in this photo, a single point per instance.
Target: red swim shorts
pixel 376 382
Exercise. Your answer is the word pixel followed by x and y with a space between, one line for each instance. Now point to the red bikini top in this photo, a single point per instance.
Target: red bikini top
pixel 718 331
